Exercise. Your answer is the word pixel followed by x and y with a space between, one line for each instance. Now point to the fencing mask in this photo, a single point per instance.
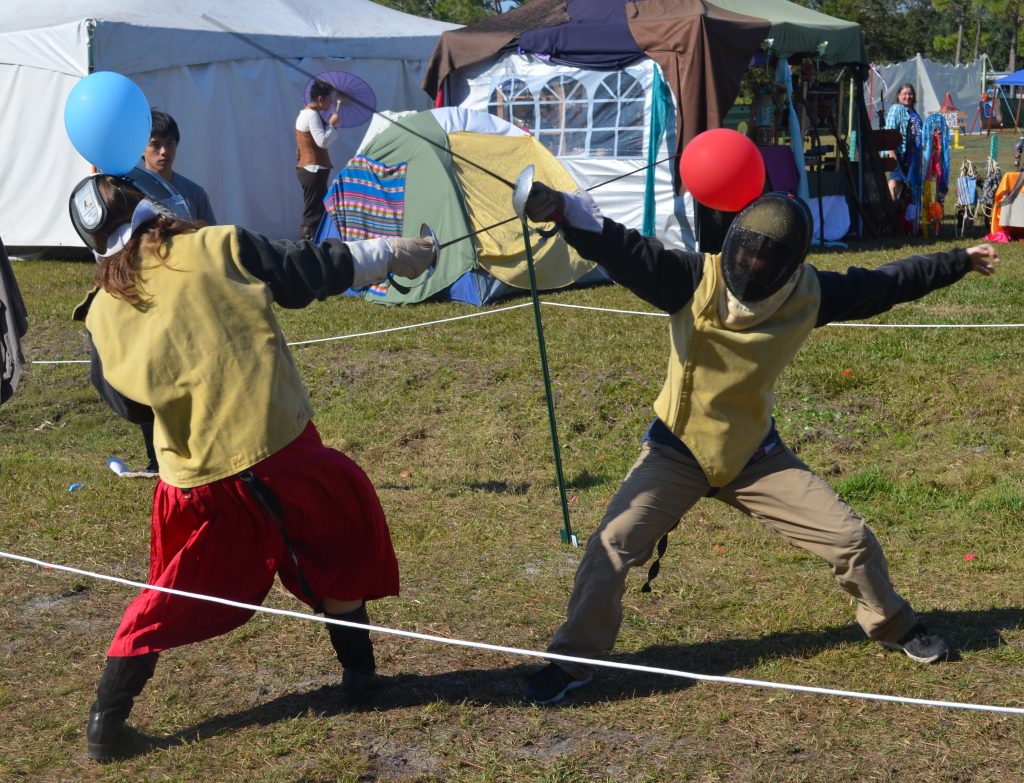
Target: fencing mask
pixel 766 243
pixel 89 212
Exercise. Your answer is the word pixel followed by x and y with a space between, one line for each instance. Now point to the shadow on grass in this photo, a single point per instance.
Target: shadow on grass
pixel 502 687
pixel 499 487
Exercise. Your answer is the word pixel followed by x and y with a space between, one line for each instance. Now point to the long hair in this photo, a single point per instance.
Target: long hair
pixel 913 91
pixel 120 274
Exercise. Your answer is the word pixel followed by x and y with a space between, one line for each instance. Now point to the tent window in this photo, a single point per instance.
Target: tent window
pixel 618 118
pixel 563 108
pixel 570 122
pixel 513 102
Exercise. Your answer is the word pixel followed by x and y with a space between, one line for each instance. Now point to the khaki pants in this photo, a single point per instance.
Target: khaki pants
pixel 777 490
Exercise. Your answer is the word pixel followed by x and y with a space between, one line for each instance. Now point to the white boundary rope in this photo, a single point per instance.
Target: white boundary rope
pixel 412 326
pixel 530 653
pixel 575 307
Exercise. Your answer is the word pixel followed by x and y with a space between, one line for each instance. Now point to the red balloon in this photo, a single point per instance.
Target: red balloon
pixel 722 169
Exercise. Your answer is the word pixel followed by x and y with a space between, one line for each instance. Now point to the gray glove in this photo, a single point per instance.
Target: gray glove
pixel 410 257
pixel 544 204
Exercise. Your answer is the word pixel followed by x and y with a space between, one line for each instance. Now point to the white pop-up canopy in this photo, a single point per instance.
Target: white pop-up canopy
pixel 931 80
pixel 234 103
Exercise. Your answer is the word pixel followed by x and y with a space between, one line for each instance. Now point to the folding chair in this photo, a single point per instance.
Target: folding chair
pixel 989 186
pixel 966 198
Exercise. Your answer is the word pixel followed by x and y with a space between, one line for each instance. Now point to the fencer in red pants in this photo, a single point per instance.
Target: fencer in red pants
pixel 182 334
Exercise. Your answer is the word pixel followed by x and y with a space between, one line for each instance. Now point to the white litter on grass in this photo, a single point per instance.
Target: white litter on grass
pixel 117 465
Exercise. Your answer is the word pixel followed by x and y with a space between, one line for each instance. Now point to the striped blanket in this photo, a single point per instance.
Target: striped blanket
pixel 367 199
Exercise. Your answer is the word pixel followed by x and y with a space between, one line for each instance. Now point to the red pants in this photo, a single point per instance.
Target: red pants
pixel 217 540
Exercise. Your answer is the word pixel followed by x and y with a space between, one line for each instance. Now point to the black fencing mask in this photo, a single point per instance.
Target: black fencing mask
pixel 766 243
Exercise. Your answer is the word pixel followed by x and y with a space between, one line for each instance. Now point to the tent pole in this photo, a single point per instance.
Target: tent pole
pixel 568 537
pixel 90 31
pixel 849 117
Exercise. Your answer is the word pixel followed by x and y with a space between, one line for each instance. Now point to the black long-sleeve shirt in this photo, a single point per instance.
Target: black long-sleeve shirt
pixel 667 278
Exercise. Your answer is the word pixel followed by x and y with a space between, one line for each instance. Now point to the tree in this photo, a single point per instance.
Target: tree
pixel 960 11
pixel 894 30
pixel 1007 17
pixel 457 11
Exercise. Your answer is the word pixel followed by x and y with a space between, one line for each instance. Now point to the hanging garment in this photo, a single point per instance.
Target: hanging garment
pixel 13 325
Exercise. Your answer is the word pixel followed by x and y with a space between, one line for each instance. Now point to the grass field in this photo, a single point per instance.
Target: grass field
pixel 920 429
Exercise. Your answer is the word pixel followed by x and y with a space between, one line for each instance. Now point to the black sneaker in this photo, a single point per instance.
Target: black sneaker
pixel 550 684
pixel 921 646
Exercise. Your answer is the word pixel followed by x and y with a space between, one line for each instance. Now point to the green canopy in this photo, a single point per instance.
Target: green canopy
pixel 798 30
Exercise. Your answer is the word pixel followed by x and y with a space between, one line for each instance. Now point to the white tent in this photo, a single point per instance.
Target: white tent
pixel 625 107
pixel 235 105
pixel 931 81
pixel 616 89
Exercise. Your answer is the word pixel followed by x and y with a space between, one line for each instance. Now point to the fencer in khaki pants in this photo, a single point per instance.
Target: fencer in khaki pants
pixel 778 490
pixel 737 320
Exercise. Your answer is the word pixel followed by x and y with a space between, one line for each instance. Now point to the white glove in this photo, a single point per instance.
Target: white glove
pixel 543 202
pixel 372 259
pixel 410 257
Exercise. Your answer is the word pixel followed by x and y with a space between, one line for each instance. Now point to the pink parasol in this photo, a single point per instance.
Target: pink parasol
pixel 353 99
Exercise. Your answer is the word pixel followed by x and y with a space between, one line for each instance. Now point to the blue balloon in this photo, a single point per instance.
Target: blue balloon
pixel 108 120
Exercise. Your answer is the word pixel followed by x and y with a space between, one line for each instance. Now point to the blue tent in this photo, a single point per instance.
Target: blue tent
pixel 1015 79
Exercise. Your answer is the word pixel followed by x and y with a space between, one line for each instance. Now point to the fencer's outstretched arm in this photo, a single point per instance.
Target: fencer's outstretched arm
pixel 299 272
pixel 862 293
pixel 665 278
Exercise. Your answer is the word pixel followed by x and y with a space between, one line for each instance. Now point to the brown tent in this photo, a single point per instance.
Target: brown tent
pixel 703 49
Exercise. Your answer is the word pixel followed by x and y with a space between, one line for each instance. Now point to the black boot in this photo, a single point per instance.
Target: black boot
pixel 123 679
pixel 355 652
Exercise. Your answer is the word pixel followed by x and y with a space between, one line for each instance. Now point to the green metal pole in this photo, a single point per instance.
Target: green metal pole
pixel 567 535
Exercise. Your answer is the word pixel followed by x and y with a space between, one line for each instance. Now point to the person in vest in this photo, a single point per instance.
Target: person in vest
pixel 181 330
pixel 159 157
pixel 313 164
pixel 737 320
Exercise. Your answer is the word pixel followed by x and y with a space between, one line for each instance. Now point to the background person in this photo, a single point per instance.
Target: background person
pixel 903 116
pixel 181 329
pixel 737 320
pixel 313 163
pixel 159 158
pixel 13 326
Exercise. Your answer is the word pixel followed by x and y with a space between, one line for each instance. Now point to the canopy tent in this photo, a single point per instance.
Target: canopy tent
pixel 547 66
pixel 1015 79
pixel 425 168
pixel 235 105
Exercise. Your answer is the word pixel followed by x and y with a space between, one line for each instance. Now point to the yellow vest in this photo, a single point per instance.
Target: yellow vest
pixel 208 357
pixel 719 391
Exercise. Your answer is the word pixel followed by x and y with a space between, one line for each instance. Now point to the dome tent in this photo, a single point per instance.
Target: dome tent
pixel 401 180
